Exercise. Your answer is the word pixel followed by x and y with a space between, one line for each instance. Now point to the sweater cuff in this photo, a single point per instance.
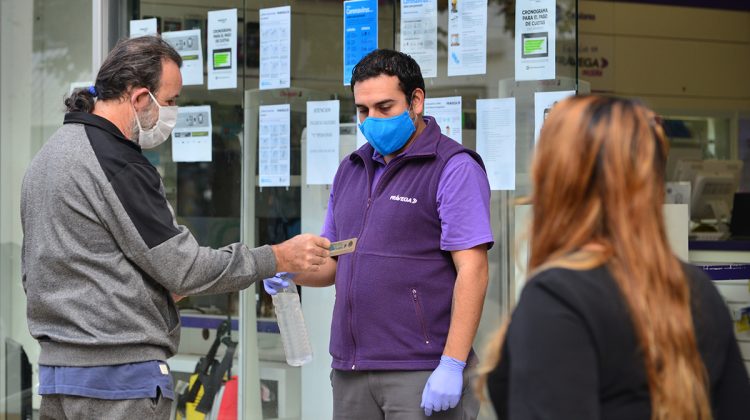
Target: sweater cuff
pixel 265 260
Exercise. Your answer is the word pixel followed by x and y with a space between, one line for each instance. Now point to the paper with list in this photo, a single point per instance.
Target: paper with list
pixel 275 47
pixel 419 33
pixel 496 135
pixel 191 137
pixel 322 141
pixel 447 113
pixel 222 49
pixel 188 45
pixel 467 37
pixel 273 145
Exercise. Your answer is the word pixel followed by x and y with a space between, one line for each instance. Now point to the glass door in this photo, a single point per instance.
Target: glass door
pixel 221 201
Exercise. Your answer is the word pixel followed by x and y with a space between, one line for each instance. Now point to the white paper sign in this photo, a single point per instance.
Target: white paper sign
pixel 222 49
pixel 543 103
pixel 191 137
pixel 188 44
pixel 322 141
pixel 273 146
pixel 496 135
pixel 275 47
pixel 467 37
pixel 419 33
pixel 447 113
pixel 143 27
pixel 535 39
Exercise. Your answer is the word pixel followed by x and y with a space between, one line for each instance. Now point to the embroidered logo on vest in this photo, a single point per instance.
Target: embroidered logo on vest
pixel 404 199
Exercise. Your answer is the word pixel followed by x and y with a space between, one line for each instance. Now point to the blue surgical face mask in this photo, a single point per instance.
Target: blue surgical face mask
pixel 388 135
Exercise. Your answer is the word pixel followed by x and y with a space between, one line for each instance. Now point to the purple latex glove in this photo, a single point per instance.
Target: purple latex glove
pixel 277 283
pixel 444 386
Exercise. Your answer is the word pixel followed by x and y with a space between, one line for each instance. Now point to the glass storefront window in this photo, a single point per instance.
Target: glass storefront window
pixel 205 196
pixel 603 47
pixel 41 58
pixel 271 215
pixel 220 201
pixel 669 57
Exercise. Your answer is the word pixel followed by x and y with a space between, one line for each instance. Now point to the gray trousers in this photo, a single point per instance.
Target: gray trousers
pixel 71 407
pixel 392 395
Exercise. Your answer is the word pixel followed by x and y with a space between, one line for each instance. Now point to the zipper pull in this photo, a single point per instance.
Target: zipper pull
pixel 414 294
pixel 369 201
pixel 354 366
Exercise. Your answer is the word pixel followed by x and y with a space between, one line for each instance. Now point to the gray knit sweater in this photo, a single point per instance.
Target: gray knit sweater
pixel 102 252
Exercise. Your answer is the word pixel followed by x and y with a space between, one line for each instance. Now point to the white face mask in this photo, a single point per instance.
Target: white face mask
pixel 159 133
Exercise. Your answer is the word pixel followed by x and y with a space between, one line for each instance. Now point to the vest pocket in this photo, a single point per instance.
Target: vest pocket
pixel 420 315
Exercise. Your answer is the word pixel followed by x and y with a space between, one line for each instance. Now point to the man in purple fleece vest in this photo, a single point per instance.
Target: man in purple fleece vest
pixel 409 298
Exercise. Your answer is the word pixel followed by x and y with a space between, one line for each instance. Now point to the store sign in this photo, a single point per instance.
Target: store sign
pixel 595 61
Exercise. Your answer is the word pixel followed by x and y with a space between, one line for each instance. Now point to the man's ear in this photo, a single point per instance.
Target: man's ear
pixel 139 98
pixel 417 101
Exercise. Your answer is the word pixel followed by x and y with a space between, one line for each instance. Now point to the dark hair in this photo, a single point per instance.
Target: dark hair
pixel 134 62
pixel 392 63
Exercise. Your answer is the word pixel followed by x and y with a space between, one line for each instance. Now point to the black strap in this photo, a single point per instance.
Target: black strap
pixel 204 367
pixel 205 363
pixel 212 383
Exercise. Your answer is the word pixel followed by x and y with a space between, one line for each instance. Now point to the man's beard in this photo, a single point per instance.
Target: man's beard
pixel 147 118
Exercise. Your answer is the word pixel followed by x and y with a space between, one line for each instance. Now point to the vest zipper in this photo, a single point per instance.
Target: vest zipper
pixel 420 315
pixel 351 281
pixel 351 314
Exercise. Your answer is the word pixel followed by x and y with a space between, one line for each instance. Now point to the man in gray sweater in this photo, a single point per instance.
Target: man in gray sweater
pixel 103 255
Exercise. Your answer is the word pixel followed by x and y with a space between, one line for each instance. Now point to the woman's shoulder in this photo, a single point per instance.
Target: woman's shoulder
pixel 710 312
pixel 598 282
pixel 700 283
pixel 559 276
pixel 594 293
pixel 574 285
pixel 590 295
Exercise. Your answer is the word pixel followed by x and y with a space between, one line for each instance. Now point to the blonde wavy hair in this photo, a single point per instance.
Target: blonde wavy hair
pixel 598 189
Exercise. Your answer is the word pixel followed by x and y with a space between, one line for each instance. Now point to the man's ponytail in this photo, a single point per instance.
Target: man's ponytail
pixel 81 100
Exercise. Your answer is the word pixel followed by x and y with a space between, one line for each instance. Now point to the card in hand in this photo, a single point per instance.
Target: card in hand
pixel 343 247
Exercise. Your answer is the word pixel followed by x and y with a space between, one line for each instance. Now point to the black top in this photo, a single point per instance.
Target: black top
pixel 136 182
pixel 571 352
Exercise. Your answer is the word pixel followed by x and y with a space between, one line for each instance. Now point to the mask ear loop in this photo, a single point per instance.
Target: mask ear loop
pixel 135 112
pixel 153 99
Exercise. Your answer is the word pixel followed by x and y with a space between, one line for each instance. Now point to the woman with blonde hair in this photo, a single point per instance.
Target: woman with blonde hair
pixel 611 325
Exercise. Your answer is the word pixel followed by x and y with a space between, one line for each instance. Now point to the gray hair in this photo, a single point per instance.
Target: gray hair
pixel 134 62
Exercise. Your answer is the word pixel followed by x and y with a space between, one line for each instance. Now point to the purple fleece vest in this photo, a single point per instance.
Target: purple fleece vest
pixel 394 292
